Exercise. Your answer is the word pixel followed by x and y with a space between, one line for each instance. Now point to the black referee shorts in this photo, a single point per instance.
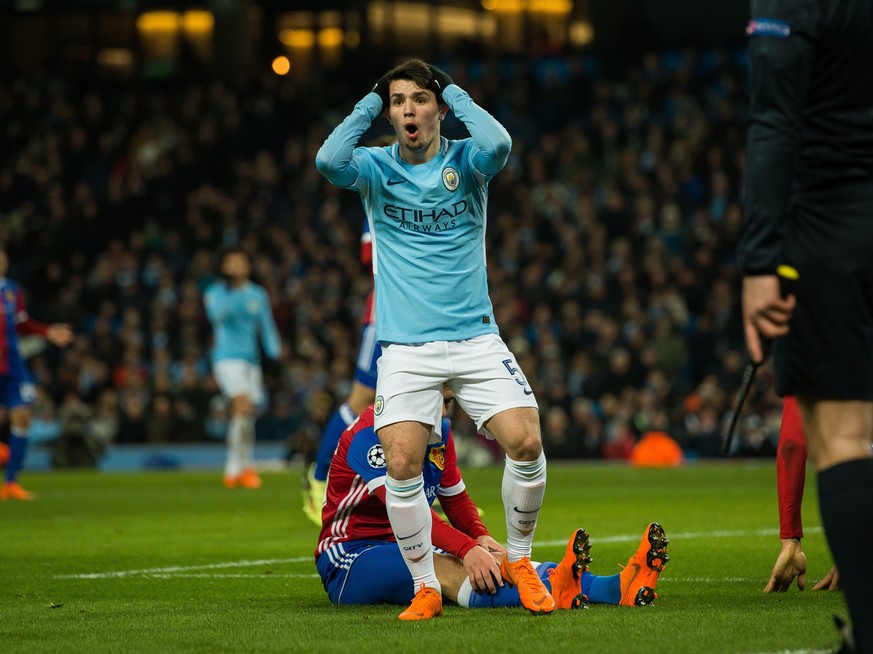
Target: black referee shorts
pixel 828 353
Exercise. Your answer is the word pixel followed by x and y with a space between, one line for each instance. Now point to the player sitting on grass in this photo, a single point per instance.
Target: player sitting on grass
pixel 360 562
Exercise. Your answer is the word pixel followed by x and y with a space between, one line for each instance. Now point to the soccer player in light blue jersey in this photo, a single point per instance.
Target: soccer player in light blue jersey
pixel 239 311
pixel 425 199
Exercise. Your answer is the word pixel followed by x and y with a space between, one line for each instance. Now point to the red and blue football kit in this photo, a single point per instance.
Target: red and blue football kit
pixel 16 383
pixel 357 556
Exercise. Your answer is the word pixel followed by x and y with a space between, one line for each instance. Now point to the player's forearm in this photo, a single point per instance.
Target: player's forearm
pixel 463 514
pixel 488 134
pixel 334 158
pixel 270 336
pixel 446 537
pixel 31 327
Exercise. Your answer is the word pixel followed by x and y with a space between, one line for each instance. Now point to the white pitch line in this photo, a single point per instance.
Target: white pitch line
pixel 709 580
pixel 209 575
pixel 622 538
pixel 674 536
pixel 182 568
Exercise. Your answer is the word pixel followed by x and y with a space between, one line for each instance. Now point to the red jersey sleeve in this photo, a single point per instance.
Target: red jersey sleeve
pixel 456 502
pixel 443 535
pixel 24 324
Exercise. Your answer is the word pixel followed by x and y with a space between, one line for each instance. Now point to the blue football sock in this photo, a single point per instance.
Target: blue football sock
pixel 342 418
pixel 506 595
pixel 602 590
pixel 17 452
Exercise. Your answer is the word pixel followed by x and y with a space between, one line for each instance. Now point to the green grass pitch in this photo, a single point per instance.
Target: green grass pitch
pixel 173 562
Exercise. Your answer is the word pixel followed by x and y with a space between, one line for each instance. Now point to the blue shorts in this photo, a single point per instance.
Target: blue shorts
pixel 365 572
pixel 17 388
pixel 368 354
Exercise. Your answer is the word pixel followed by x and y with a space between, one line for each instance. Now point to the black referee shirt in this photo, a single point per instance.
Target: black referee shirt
pixel 811 120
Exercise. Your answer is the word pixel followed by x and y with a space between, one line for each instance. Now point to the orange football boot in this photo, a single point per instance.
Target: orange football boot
pixel 427 604
pixel 639 577
pixel 12 490
pixel 250 479
pixel 566 576
pixel 230 481
pixel 534 595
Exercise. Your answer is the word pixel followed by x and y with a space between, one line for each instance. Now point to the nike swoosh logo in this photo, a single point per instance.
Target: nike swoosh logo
pixel 411 535
pixel 517 510
pixel 392 182
pixel 527 392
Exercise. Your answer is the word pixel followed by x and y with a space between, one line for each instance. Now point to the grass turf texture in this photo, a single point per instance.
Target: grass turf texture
pixel 179 563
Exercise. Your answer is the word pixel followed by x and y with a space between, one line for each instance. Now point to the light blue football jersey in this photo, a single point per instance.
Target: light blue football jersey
pixel 239 317
pixel 427 222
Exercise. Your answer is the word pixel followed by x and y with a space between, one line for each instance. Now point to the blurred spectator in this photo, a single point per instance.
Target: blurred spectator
pixel 217 418
pixel 160 423
pixel 103 425
pixel 74 447
pixel 45 425
pixel 132 424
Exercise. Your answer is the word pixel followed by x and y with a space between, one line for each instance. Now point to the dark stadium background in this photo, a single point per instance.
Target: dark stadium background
pixel 138 137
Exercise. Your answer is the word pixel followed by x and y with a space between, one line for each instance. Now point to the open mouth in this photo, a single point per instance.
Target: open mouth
pixel 411 130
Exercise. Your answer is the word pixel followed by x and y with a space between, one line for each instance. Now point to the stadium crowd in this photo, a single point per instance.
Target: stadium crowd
pixel 611 246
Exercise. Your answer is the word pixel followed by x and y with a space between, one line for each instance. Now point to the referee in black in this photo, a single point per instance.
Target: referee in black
pixel 809 204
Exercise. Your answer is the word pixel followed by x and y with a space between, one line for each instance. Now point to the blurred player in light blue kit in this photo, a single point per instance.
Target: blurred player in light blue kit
pixel 239 311
pixel 425 199
pixel 17 390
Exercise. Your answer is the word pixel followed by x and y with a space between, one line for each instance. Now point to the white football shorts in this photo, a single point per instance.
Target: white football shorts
pixel 482 372
pixel 237 377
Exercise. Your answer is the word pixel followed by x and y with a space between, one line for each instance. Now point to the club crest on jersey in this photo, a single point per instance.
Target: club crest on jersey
pixel 10 296
pixel 451 179
pixel 437 456
pixel 376 456
pixel 253 306
pixel 378 405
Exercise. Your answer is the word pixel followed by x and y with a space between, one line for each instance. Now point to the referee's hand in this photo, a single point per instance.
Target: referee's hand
pixel 766 313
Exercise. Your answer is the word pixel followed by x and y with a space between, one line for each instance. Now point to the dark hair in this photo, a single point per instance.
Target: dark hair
pixel 414 70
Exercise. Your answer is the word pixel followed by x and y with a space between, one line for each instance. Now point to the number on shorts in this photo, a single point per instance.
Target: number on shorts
pixel 514 373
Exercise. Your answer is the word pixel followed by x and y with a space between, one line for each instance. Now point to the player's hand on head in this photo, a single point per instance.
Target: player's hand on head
pixel 60 334
pixel 790 565
pixel 482 570
pixel 441 80
pixel 381 89
pixel 831 580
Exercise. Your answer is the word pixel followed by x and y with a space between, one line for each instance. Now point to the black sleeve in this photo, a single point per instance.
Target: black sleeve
pixel 781 48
